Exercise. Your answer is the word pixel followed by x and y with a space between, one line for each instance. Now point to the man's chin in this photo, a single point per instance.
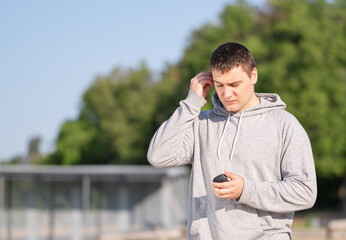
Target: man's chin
pixel 232 109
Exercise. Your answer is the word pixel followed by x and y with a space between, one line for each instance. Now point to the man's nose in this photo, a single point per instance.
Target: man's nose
pixel 228 92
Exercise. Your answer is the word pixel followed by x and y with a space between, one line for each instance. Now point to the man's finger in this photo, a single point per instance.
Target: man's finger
pixel 231 175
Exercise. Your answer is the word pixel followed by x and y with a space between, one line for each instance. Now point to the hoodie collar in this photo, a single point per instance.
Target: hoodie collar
pixel 268 102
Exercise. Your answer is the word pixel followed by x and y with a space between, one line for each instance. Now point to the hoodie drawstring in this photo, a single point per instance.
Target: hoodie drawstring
pixel 235 138
pixel 223 133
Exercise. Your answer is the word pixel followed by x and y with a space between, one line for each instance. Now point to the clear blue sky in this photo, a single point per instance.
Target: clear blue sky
pixel 51 51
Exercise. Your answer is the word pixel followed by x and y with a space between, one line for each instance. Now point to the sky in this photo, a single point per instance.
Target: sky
pixel 51 52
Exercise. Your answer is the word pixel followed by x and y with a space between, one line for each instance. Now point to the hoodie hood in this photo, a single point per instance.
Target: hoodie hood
pixel 268 102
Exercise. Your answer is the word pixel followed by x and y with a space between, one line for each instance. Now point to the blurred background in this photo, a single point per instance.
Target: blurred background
pixel 84 85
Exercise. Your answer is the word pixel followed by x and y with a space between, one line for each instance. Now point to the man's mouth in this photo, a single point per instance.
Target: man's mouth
pixel 229 102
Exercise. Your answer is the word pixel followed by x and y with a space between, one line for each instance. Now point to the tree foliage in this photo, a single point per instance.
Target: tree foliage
pixel 113 122
pixel 299 48
pixel 305 63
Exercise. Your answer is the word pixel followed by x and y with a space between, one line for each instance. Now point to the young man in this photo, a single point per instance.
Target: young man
pixel 261 148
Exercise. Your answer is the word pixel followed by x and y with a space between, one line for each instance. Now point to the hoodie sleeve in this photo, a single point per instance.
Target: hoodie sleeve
pixel 297 189
pixel 172 144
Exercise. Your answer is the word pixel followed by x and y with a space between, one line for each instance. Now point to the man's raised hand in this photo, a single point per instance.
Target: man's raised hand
pixel 201 83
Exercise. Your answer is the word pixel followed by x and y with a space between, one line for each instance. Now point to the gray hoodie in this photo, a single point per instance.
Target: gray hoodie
pixel 264 144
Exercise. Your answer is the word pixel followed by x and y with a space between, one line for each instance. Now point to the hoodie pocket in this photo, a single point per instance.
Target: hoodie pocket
pixel 275 222
pixel 231 220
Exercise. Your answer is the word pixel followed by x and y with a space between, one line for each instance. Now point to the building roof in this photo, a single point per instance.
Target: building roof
pixel 126 173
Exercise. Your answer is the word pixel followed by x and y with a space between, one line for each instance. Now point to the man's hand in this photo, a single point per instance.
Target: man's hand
pixel 231 189
pixel 201 83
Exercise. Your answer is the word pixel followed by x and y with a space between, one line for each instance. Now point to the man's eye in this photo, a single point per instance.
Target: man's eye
pixel 218 85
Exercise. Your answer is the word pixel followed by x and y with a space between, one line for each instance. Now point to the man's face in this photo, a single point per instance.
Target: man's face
pixel 236 89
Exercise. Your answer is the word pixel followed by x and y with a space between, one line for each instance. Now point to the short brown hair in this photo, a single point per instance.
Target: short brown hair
pixel 230 55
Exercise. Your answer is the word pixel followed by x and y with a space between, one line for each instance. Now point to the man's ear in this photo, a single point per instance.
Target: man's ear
pixel 254 75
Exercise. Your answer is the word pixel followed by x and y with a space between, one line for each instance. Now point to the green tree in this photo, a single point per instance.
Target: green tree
pixel 305 62
pixel 115 122
pixel 299 48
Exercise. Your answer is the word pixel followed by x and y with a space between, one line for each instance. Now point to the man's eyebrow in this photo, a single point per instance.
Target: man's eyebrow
pixel 215 81
pixel 236 81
